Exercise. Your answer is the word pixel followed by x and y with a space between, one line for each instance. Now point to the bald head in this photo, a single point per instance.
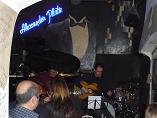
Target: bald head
pixel 24 86
pixel 25 91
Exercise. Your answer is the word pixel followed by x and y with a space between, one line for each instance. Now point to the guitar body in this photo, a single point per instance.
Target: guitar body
pixel 90 87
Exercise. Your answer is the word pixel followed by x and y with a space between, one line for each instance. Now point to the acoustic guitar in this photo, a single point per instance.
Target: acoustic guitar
pixel 91 89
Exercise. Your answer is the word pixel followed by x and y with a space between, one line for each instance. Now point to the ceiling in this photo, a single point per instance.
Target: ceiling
pixel 18 5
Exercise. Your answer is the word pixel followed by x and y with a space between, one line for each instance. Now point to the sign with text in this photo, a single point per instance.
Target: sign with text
pixel 32 21
pixel 47 17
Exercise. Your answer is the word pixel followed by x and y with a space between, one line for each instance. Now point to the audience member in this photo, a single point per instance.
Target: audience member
pixel 27 97
pixel 151 111
pixel 57 103
pixel 45 76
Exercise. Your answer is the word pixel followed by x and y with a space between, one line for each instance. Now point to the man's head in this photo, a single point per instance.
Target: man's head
pixel 53 73
pixel 98 70
pixel 53 70
pixel 27 94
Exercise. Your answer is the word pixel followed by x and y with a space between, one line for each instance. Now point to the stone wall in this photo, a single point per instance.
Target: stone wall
pixel 7 21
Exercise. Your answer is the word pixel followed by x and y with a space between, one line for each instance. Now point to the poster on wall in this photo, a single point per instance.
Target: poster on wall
pixel 75 29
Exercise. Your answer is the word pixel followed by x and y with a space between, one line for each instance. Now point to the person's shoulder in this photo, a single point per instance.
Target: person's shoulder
pixel 13 112
pixel 42 110
pixel 12 105
pixel 13 109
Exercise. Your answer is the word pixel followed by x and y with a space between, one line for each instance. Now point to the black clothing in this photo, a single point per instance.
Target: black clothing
pixel 42 110
pixel 56 109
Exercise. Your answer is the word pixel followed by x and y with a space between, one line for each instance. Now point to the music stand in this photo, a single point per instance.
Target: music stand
pixel 94 102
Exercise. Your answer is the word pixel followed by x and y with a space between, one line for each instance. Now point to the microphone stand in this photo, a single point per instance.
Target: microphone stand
pixel 94 108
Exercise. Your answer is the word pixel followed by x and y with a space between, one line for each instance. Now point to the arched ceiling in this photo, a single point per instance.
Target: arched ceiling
pixel 18 5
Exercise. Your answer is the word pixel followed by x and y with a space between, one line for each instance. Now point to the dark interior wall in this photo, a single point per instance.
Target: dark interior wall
pixel 123 69
pixel 117 67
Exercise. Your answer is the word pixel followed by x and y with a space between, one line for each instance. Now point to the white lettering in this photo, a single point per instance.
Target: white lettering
pixel 53 12
pixel 26 27
pixel 50 13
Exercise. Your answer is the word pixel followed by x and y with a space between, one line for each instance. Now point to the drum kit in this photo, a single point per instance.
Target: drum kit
pixel 125 103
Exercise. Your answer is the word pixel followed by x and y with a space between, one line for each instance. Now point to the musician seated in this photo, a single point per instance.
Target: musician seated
pixel 93 84
pixel 52 72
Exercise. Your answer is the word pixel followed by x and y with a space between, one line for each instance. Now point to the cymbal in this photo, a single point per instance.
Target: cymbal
pixel 69 74
pixel 65 63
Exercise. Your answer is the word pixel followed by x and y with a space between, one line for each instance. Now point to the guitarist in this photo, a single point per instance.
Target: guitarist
pixel 93 84
pixel 96 78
